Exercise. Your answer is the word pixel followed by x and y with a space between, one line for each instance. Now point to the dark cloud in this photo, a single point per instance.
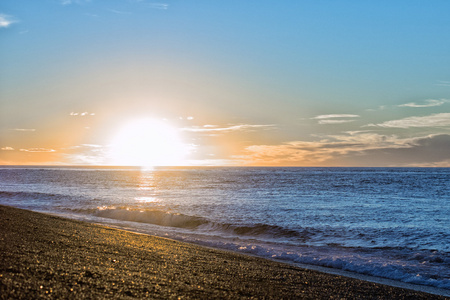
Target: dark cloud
pixel 432 150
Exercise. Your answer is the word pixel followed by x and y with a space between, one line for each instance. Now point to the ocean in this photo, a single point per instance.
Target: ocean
pixel 391 223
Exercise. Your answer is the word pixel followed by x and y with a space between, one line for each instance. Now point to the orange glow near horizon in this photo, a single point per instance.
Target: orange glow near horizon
pixel 148 143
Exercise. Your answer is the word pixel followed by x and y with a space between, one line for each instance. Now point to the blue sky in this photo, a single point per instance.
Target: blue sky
pixel 308 83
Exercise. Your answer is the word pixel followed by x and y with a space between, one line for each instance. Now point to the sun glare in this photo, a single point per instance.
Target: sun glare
pixel 148 143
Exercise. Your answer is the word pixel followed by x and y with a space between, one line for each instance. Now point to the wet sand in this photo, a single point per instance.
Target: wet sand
pixel 51 257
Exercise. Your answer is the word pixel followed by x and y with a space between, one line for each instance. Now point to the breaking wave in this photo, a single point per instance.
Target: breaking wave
pixel 155 217
pixel 171 219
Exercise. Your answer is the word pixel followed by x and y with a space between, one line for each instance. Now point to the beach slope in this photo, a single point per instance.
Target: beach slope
pixel 48 256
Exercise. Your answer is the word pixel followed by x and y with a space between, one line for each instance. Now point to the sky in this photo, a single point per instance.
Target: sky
pixel 244 83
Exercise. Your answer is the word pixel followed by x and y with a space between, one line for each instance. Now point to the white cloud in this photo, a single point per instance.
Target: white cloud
pixel 37 150
pixel 25 129
pixel 81 114
pixel 214 128
pixel 323 122
pixel 427 103
pixel 68 2
pixel 335 116
pixel 6 20
pixel 86 146
pixel 7 148
pixel 435 120
pixel 156 5
pixel 355 132
pixel 162 6
pixel 92 146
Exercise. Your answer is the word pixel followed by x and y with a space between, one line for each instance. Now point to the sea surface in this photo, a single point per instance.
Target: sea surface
pixel 386 222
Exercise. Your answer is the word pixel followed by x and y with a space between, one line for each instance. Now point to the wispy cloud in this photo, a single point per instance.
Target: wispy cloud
pixel 320 117
pixel 6 20
pixel 82 114
pixel 324 122
pixel 86 154
pixel 37 150
pixel 7 148
pixel 443 83
pixel 435 120
pixel 215 128
pixel 322 150
pixel 155 5
pixel 69 2
pixel 357 149
pixel 24 129
pixel 119 12
pixel 188 118
pixel 90 147
pixel 426 103
pixel 381 107
pixel 335 118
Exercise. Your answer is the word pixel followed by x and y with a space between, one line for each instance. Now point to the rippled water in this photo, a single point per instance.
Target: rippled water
pixel 386 222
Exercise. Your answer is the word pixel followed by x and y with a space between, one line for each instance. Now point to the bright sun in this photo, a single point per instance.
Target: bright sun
pixel 148 143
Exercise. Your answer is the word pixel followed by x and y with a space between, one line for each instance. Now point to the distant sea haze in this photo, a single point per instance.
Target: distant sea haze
pixel 384 222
